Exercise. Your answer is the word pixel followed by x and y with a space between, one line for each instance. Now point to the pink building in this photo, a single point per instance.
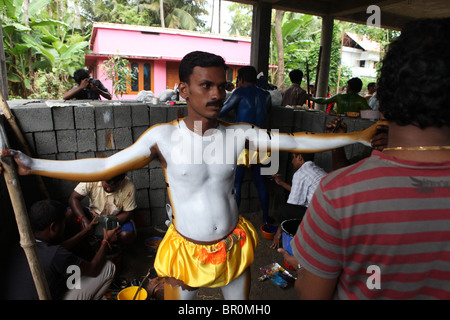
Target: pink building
pixel 157 52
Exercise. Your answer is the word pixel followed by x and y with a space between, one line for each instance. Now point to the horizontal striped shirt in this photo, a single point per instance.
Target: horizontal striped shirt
pixel 382 227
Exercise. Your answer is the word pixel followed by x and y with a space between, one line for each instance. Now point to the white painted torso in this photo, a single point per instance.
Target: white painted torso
pixel 200 178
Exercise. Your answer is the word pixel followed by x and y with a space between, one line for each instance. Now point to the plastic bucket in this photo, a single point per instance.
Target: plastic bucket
pixel 152 243
pixel 128 294
pixel 268 231
pixel 289 228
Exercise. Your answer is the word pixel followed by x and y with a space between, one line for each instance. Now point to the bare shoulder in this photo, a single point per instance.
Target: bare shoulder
pixel 160 130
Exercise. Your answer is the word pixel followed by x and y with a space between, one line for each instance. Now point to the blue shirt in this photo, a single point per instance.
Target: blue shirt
pixel 250 103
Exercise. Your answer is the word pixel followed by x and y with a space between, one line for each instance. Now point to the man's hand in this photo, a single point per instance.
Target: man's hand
pixel 276 239
pixel 85 83
pixel 111 235
pixel 90 225
pixel 290 259
pixel 277 179
pixel 23 161
pixel 331 126
pixel 380 139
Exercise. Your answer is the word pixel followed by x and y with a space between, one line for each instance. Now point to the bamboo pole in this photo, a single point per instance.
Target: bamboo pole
pixel 27 240
pixel 317 75
pixel 308 90
pixel 21 139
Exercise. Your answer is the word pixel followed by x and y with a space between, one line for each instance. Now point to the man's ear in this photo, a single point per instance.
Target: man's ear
pixel 53 227
pixel 183 88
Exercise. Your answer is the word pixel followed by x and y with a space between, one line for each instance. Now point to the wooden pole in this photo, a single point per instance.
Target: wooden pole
pixel 3 76
pixel 27 240
pixel 307 83
pixel 23 143
pixel 317 74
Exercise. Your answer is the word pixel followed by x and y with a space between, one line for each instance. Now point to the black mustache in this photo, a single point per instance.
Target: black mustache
pixel 215 103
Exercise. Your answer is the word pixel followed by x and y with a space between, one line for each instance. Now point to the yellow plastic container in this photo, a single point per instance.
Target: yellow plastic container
pixel 128 294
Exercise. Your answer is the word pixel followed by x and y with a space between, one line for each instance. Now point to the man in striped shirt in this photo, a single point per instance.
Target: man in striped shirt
pixel 380 229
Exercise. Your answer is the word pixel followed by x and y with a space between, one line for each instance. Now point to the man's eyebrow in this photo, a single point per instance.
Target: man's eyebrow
pixel 207 81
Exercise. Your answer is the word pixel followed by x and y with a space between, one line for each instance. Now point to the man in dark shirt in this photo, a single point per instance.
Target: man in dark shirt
pixel 61 267
pixel 294 95
pixel 87 89
pixel 252 105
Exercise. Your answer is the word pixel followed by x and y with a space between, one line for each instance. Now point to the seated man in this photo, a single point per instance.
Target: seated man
pixel 113 197
pixel 87 87
pixel 304 183
pixel 58 262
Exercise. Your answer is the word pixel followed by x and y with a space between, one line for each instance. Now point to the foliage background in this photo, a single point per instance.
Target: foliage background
pixel 45 41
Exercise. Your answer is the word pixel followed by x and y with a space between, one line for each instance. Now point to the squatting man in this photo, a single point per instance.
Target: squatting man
pixel 208 244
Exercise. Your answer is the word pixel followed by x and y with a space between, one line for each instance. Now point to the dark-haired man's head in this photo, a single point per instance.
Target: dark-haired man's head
pixel 112 184
pixel 80 74
pixel 47 219
pixel 198 59
pixel 414 86
pixel 354 85
pixel 296 76
pixel 247 75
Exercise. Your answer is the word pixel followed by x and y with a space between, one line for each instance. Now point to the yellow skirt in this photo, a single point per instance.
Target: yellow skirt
pixel 248 157
pixel 211 266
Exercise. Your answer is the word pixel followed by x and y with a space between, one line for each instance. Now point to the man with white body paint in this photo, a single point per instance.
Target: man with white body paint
pixel 208 243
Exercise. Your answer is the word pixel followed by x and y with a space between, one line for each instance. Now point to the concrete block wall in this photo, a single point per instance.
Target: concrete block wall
pixel 99 129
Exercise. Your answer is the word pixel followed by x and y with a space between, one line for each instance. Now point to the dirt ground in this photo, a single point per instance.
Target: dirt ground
pixel 136 261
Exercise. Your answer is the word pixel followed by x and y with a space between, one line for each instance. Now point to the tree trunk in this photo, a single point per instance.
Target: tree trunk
pixel 161 13
pixel 280 48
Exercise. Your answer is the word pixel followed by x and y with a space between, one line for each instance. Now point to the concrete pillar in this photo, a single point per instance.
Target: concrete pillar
pixel 261 26
pixel 325 42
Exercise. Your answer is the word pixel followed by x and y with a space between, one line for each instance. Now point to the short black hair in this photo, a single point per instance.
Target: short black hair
pixel 116 179
pixel 296 76
pixel 306 156
pixel 45 212
pixel 247 73
pixel 371 85
pixel 414 85
pixel 355 85
pixel 80 74
pixel 198 59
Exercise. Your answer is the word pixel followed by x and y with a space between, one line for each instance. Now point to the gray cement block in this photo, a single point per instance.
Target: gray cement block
pixel 140 115
pixel 45 142
pixel 157 179
pixel 86 140
pixel 65 156
pixel 85 155
pixel 105 140
pixel 158 115
pixel 104 117
pixel 84 117
pixel 172 112
pixel 138 132
pixel 142 200
pixel 123 138
pixel 122 116
pixel 157 198
pixel 34 119
pixel 67 140
pixel 63 118
pixel 284 116
pixel 141 178
pixel 29 138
